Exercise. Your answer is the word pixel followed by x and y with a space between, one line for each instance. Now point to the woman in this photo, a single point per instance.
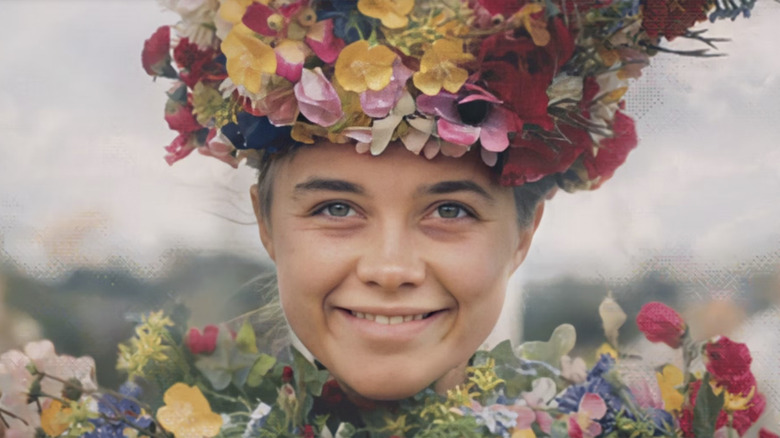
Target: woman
pixel 393 262
pixel 405 150
pixel 392 270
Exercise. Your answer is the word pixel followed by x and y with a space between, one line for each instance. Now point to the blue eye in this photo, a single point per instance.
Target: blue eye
pixel 451 211
pixel 336 209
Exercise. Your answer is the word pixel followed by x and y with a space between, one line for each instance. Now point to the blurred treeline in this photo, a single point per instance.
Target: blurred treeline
pixel 91 310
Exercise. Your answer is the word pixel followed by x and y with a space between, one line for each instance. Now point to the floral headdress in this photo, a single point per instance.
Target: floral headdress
pixel 537 85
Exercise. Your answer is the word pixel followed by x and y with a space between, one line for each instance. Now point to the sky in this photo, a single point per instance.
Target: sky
pixel 83 181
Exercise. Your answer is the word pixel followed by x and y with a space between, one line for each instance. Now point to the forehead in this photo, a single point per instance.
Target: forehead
pixel 394 166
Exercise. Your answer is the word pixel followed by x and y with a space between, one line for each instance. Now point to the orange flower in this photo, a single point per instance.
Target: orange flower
pixel 54 418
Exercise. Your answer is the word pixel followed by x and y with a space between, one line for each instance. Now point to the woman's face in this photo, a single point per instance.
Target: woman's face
pixel 392 269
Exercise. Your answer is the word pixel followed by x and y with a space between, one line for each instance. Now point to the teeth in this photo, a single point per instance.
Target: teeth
pixel 390 320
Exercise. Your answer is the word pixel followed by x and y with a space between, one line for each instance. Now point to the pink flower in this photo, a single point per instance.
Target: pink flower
pixel 464 119
pixel 204 343
pixel 582 424
pixel 377 104
pixel 317 98
pixel 181 146
pixel 156 56
pixel 219 147
pixel 660 323
pixel 296 32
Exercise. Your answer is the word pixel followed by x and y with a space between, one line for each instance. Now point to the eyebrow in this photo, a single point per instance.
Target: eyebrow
pixel 446 187
pixel 330 185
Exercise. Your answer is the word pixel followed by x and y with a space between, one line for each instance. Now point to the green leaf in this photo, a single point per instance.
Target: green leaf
pixel 707 409
pixel 561 342
pixel 262 365
pixel 245 340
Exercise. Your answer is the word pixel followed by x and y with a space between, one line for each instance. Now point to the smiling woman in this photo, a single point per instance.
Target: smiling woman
pixel 405 151
pixel 391 268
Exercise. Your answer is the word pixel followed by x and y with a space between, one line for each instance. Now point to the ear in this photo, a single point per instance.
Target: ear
pixel 527 235
pixel 263 223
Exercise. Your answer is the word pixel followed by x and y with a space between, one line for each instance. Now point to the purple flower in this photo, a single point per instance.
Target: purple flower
pixel 464 119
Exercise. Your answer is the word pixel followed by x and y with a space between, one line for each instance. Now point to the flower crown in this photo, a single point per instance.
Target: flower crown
pixel 536 85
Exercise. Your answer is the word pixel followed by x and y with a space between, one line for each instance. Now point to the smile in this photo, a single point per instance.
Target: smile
pixel 390 320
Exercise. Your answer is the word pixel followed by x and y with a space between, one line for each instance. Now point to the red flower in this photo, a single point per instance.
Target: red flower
pixel 332 393
pixel 660 323
pixel 531 159
pixel 287 374
pixel 745 418
pixel 671 19
pixel 205 343
pixel 180 117
pixel 763 433
pixel 156 56
pixel 192 61
pixel 308 432
pixel 729 364
pixel 519 72
pixel 612 151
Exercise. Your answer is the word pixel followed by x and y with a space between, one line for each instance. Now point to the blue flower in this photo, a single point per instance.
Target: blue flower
pixel 497 418
pixel 595 383
pixel 253 132
pixel 662 421
pixel 119 414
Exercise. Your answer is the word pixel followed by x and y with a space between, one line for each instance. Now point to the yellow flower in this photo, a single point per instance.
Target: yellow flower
pixel 54 418
pixel 247 58
pixel 735 402
pixel 536 28
pixel 668 380
pixel 361 67
pixel 187 413
pixel 156 322
pixel 525 433
pixel 439 68
pixel 484 376
pixel 392 13
pixel 605 348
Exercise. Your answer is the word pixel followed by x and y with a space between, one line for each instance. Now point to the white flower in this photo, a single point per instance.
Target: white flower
pixel 197 20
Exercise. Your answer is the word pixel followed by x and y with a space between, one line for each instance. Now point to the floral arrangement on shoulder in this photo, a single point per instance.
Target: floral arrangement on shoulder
pixel 216 383
pixel 537 86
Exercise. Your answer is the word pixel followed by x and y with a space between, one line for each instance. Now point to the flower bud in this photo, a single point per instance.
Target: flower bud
pixel 660 323
pixel 73 390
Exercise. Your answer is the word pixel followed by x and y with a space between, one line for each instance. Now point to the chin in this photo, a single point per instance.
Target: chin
pixel 385 386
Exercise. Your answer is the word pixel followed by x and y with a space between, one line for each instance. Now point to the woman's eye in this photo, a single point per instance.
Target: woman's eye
pixel 451 211
pixel 337 209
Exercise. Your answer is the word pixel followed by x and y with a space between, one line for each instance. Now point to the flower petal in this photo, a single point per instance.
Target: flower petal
pixel 317 99
pixel 464 135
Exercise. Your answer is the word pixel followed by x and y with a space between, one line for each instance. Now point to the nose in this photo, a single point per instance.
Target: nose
pixel 390 259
